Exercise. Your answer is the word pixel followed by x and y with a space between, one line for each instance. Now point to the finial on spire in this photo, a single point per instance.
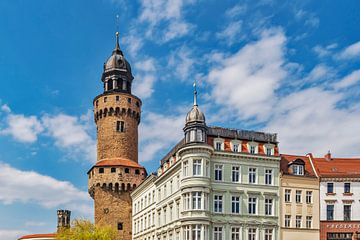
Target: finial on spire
pixel 117 46
pixel 195 94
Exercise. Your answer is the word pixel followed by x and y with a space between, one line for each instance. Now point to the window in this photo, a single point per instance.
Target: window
pixel 101 170
pixel 252 205
pixel 287 220
pixel 196 232
pixel 347 212
pixel 235 233
pixel 347 188
pixel 252 175
pixel 120 226
pixel 236 148
pixel 268 234
pixel 298 222
pixel 137 171
pixel 252 149
pixel 298 196
pixel 186 168
pixel 127 170
pixel 218 146
pixel 120 126
pixel 268 176
pixel 105 99
pixel 97 102
pixel 187 232
pixel 308 197
pixel 218 172
pixel 252 234
pixel 197 167
pixel 218 205
pixel 268 206
pixel 117 98
pixel 199 135
pixel 268 151
pixel 113 170
pixel 330 212
pixel 287 195
pixel 187 201
pixel 235 176
pixel 196 200
pixel 308 221
pixel 235 204
pixel 330 187
pixel 298 169
pixel 218 234
pixel 129 100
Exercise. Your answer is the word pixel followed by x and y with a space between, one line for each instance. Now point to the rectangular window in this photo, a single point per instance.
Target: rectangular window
pixel 218 146
pixel 196 232
pixel 236 148
pixel 252 149
pixel 218 233
pixel 298 169
pixel 252 175
pixel 235 174
pixel 287 195
pixel 187 232
pixel 268 177
pixel 197 167
pixel 268 234
pixel 187 201
pixel 298 196
pixel 308 221
pixel 117 98
pixel 113 170
pixel 196 200
pixel 218 204
pixel 120 226
pixel 218 172
pixel 287 220
pixel 235 204
pixel 347 188
pixel 101 170
pixel 235 233
pixel 268 206
pixel 120 126
pixel 252 205
pixel 308 197
pixel 252 234
pixel 186 168
pixel 347 212
pixel 298 222
pixel 330 187
pixel 269 151
pixel 330 212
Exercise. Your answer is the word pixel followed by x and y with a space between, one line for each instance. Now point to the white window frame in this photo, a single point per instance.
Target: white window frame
pixel 235 199
pixel 196 199
pixel 269 205
pixel 218 201
pixel 287 195
pixel 287 221
pixel 236 233
pixel 238 173
pixel 186 168
pixel 248 233
pixel 298 169
pixel 197 167
pixel 268 234
pixel 298 196
pixel 235 143
pixel 256 147
pixel 218 167
pixel 256 207
pixel 218 230
pixel 221 142
pixel 250 173
pixel 271 176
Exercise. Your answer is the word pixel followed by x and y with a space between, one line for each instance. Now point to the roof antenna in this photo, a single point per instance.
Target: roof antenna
pixel 195 93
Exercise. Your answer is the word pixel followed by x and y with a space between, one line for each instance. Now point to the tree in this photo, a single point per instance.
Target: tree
pixel 86 230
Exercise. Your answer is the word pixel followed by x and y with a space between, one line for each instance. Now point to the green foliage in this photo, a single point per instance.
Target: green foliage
pixel 86 230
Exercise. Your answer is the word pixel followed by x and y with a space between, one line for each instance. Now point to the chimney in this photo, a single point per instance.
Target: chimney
pixel 328 156
pixel 63 219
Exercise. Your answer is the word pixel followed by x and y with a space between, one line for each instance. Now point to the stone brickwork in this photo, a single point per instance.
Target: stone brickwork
pixel 108 110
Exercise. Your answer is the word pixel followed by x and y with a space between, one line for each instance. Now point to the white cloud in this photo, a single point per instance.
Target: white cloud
pixel 309 121
pixel 236 10
pixel 22 128
pixel 133 43
pixel 5 108
pixel 324 51
pixel 231 33
pixel 28 186
pixel 352 51
pixel 181 63
pixel 71 133
pixel 319 72
pixel 245 82
pixel 159 132
pixel 168 13
pixel 145 79
pixel 308 18
pixel 348 80
pixel 6 234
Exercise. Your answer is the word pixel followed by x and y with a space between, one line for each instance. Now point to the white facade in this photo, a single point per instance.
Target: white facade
pixel 340 199
pixel 204 193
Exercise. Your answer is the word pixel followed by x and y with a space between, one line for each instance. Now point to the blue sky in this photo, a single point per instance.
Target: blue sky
pixel 290 67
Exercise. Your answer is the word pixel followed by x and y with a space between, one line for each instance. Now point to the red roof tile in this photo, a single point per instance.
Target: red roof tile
pixel 31 236
pixel 337 167
pixel 286 159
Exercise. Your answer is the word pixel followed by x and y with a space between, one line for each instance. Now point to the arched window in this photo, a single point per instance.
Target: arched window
pixel 110 84
pixel 137 171
pixel 127 170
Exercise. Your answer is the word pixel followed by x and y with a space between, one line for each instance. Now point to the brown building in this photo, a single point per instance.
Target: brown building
pixel 117 172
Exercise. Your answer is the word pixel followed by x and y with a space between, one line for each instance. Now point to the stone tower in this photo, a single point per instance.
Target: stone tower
pixel 63 219
pixel 116 172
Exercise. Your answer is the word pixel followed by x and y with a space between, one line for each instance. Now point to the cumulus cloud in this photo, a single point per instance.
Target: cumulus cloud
pixel 320 72
pixel 245 82
pixel 158 133
pixel 31 187
pixel 145 79
pixel 348 80
pixel 350 52
pixel 182 61
pixel 7 234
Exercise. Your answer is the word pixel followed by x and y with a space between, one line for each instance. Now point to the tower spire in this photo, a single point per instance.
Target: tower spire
pixel 195 94
pixel 117 46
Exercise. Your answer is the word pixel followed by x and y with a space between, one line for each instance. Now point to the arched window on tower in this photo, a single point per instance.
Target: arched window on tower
pixel 110 84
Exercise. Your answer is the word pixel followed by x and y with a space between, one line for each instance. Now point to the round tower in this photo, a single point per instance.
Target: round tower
pixel 116 172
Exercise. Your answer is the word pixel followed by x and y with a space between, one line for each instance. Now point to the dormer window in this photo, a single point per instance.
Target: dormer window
pixel 298 169
pixel 235 146
pixel 219 144
pixel 253 147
